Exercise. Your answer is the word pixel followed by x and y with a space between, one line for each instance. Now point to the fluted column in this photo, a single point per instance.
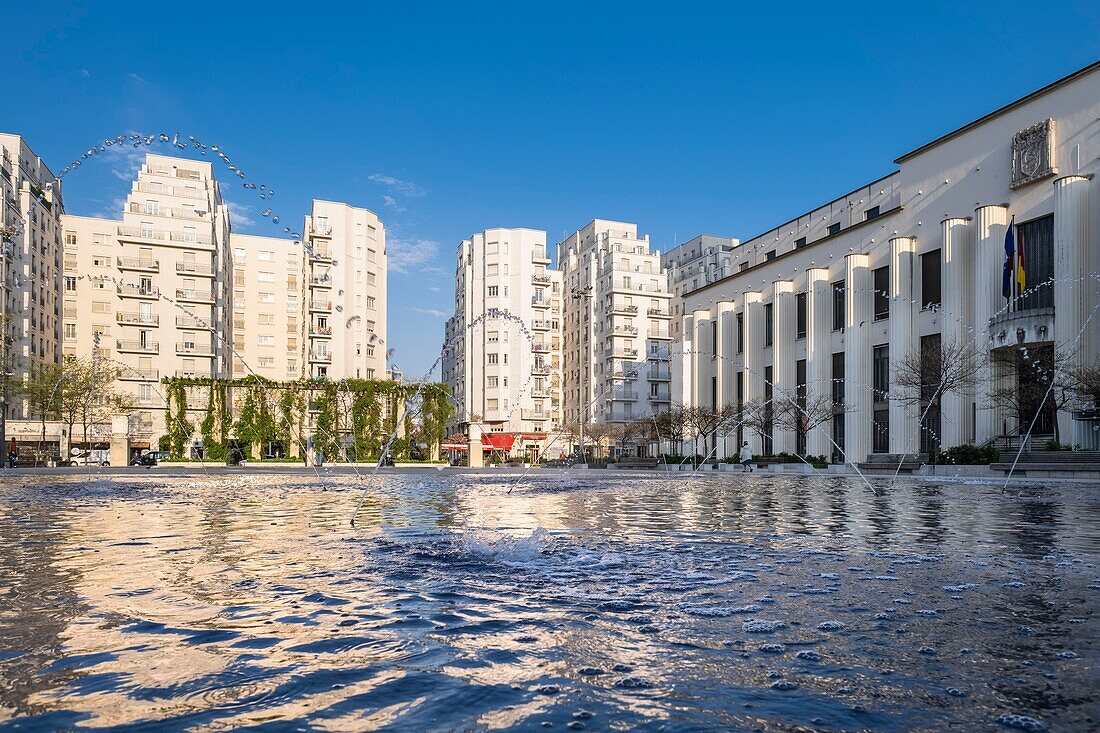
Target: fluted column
pixel 905 408
pixel 685 391
pixel 1071 283
pixel 753 359
pixel 857 358
pixel 956 286
pixel 725 367
pixel 991 223
pixel 819 354
pixel 783 373
pixel 704 362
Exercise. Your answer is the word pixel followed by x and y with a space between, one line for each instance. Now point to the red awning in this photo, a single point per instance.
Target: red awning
pixel 498 441
pixel 455 446
pixel 534 436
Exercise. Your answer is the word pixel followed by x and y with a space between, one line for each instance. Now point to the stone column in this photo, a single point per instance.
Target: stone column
pixel 991 222
pixel 857 358
pixel 783 387
pixel 476 457
pixel 819 355
pixel 120 440
pixel 1071 283
pixel 905 410
pixel 688 362
pixel 725 367
pixel 753 359
pixel 956 287
pixel 704 350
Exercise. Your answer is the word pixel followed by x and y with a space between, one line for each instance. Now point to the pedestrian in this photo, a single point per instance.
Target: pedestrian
pixel 746 457
pixel 13 453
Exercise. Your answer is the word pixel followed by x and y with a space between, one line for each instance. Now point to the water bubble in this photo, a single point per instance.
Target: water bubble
pixel 762 626
pixel 1022 722
pixel 808 655
pixel 784 685
pixel 832 626
pixel 773 648
pixel 633 683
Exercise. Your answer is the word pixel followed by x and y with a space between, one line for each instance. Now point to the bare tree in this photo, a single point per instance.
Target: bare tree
pixel 705 422
pixel 934 369
pixel 1053 384
pixel 811 413
pixel 627 433
pixel 1086 384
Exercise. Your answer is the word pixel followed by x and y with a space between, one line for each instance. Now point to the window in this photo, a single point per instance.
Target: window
pixel 740 333
pixel 838 399
pixel 800 315
pixel 370 301
pixel 267 297
pixel 800 400
pixel 882 293
pixel 152 207
pixel 871 213
pixel 145 393
pixel 834 228
pixel 266 255
pixel 70 331
pixel 770 255
pixel 70 239
pixel 493 291
pixel 769 325
pixel 101 261
pixel 238 253
pixel 800 243
pixel 491 358
pixel 266 277
pixel 372 232
pixel 743 266
pixel 493 381
pixel 70 283
pixel 838 305
pixel 930 279
pixel 266 319
pixel 1036 240
pixel 880 373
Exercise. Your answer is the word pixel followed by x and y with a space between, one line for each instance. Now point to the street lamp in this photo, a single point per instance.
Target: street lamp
pixel 585 296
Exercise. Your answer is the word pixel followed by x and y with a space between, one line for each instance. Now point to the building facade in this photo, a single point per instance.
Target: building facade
pixel 615 328
pixel 693 264
pixel 268 307
pixel 502 357
pixel 31 208
pixel 828 306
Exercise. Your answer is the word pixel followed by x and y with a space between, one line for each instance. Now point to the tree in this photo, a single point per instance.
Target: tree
pixel 1033 382
pixel 97 398
pixel 932 370
pixel 627 432
pixel 1086 384
pixel 790 415
pixel 41 390
pixel 670 425
pixel 704 422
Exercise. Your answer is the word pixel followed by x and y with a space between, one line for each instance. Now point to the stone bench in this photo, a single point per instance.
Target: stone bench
pixel 638 463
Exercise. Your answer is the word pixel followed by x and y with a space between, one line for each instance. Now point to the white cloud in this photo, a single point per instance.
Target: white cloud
pixel 240 215
pixel 124 161
pixel 84 72
pixel 112 210
pixel 134 77
pixel 405 188
pixel 391 202
pixel 406 257
pixel 434 312
pixel 434 289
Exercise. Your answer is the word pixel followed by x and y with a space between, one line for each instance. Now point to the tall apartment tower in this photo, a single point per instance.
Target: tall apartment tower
pixel 268 307
pixel 151 289
pixel 503 355
pixel 615 328
pixel 345 292
pixel 30 216
pixel 693 264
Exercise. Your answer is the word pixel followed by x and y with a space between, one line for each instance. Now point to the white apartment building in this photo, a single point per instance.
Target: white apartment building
pixel 345 292
pixel 693 264
pixel 616 338
pixel 268 307
pixel 825 305
pixel 30 214
pixel 151 288
pixel 502 358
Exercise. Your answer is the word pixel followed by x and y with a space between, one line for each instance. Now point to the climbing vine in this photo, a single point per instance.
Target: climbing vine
pixel 179 429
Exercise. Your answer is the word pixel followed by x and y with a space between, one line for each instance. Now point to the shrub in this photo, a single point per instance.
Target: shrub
pixel 969 455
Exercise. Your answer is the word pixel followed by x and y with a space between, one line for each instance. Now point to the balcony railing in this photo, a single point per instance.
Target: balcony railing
pixel 139 375
pixel 322 230
pixel 545 279
pixel 540 325
pixel 187 193
pixel 534 416
pixel 660 397
pixel 141 264
pixel 137 319
pixel 540 347
pixel 659 313
pixel 540 370
pixel 540 302
pixel 192 322
pixel 659 375
pixel 323 281
pixel 128 290
pixel 190 347
pixel 195 268
pixel 659 333
pixel 156 235
pixel 320 330
pixel 320 305
pixel 624 395
pixel 192 374
pixel 148 347
pixel 321 253
pixel 623 354
pixel 620 308
pixel 316 356
pixel 199 296
pixel 632 330
pixel 168 212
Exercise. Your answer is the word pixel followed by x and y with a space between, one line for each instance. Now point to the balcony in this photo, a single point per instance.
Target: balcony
pixel 539 394
pixel 145 234
pixel 323 230
pixel 321 254
pixel 624 395
pixel 144 292
pixel 620 308
pixel 628 375
pixel 659 375
pixel 658 313
pixel 320 330
pixel 543 279
pixel 138 264
pixel 137 319
pixel 128 346
pixel 540 303
pixel 540 347
pixel 323 358
pixel 139 375
pixel 194 296
pixel 534 416
pixel 192 322
pixel 659 333
pixel 660 397
pixel 168 212
pixel 191 348
pixel 187 193
pixel 320 305
pixel 322 281
pixel 623 354
pixel 191 374
pixel 195 268
pixel 626 330
pixel 540 325
pixel 540 370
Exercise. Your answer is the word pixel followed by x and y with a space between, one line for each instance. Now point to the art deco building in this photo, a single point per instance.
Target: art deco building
pixel 827 304
pixel 345 291
pixel 30 212
pixel 616 337
pixel 693 264
pixel 503 353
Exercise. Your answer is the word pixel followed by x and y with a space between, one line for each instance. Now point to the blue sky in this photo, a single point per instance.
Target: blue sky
pixel 452 117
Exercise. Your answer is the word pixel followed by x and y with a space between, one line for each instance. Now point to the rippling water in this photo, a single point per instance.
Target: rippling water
pixel 212 601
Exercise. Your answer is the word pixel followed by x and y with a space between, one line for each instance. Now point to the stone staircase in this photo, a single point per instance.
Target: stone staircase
pixel 1051 464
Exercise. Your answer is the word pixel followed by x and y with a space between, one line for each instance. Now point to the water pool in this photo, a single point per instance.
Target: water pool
pixel 598 601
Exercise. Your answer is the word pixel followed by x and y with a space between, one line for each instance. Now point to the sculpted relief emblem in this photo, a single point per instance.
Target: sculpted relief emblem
pixel 1033 154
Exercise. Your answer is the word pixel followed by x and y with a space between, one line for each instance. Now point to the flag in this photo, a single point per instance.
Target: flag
pixel 1021 272
pixel 1010 250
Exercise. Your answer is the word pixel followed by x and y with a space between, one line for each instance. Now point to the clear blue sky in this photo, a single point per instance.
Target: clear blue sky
pixel 452 117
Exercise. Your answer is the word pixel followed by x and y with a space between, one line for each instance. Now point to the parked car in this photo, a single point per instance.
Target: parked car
pixel 151 458
pixel 93 457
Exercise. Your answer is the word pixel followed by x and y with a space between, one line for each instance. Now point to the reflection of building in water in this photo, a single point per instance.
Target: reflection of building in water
pixel 823 307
